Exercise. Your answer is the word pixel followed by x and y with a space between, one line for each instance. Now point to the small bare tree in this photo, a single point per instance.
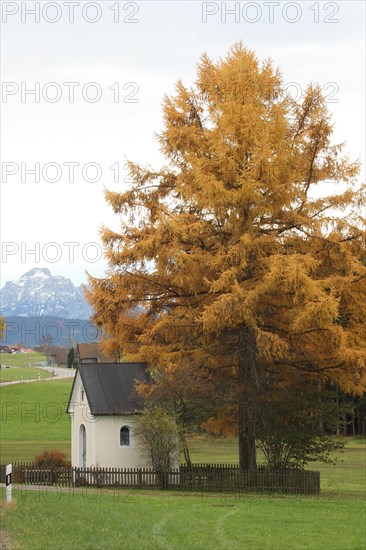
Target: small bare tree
pixel 159 437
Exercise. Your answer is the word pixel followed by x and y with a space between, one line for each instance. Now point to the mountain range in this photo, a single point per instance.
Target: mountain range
pixel 38 293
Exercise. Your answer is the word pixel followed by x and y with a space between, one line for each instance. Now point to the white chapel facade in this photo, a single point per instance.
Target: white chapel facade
pixel 104 407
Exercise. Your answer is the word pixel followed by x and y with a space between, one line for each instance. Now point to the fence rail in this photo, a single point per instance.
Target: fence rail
pixel 196 478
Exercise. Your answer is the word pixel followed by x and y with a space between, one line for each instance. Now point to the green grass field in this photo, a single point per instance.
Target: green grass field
pixel 22 373
pixel 137 521
pixel 21 359
pixel 33 418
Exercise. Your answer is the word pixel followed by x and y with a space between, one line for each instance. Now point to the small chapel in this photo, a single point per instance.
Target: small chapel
pixel 104 406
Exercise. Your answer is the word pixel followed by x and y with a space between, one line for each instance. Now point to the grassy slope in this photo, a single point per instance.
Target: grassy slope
pixel 21 359
pixel 22 373
pixel 33 417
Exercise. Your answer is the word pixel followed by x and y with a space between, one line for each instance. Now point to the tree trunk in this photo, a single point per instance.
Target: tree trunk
pixel 247 446
pixel 321 423
pixel 187 456
pixel 345 425
pixel 248 391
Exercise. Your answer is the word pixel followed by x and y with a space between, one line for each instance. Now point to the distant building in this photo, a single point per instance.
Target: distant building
pixel 56 356
pixel 19 348
pixel 88 352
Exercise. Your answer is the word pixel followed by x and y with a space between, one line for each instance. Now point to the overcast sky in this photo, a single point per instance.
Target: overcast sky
pixel 121 58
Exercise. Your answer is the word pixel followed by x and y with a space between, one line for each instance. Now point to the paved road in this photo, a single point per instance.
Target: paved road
pixel 58 372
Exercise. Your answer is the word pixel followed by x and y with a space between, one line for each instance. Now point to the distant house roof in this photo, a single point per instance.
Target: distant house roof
pixel 110 387
pixel 20 347
pixel 91 350
pixel 58 354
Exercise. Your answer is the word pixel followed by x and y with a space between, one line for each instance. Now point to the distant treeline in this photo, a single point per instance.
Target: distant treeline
pixel 38 331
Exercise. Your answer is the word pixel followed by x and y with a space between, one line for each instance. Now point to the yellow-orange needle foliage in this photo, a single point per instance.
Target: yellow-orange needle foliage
pixel 242 260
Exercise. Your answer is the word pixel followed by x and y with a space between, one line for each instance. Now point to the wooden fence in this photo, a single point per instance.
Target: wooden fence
pixel 198 478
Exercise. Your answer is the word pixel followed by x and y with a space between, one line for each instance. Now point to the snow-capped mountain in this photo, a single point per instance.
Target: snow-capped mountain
pixel 38 293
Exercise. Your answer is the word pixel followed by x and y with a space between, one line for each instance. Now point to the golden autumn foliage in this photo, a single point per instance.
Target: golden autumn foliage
pixel 241 261
pixel 2 327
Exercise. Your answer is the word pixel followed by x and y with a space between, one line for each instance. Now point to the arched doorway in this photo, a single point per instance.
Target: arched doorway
pixel 82 446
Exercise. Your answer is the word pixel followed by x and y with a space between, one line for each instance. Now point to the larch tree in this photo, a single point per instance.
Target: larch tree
pixel 241 262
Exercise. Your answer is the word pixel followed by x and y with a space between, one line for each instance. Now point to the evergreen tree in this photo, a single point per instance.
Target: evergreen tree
pixel 71 358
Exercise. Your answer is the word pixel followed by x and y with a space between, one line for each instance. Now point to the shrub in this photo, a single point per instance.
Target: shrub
pixel 51 458
pixel 294 427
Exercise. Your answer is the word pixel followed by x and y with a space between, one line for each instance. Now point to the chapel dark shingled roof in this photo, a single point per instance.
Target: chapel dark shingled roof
pixel 110 387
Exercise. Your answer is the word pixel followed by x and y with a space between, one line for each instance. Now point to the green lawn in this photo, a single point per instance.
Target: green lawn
pixel 137 520
pixel 348 475
pixel 22 373
pixel 33 418
pixel 213 449
pixel 21 359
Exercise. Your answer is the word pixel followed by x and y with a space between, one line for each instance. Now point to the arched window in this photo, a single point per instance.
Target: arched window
pixel 124 436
